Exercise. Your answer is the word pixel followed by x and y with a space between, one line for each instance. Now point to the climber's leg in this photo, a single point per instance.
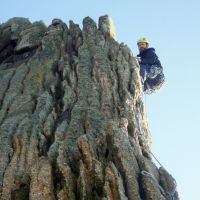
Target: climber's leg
pixel 143 72
pixel 153 71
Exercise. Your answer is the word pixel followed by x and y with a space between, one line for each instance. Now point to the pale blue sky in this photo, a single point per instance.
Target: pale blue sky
pixel 173 28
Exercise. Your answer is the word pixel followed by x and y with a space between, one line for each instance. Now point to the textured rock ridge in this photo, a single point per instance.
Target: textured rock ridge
pixel 72 121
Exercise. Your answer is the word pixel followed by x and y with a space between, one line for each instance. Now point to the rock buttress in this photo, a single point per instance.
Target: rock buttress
pixel 72 120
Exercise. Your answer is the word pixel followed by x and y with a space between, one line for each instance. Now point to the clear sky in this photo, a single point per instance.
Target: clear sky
pixel 173 29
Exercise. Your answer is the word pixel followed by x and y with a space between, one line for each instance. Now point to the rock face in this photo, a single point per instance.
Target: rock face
pixel 72 120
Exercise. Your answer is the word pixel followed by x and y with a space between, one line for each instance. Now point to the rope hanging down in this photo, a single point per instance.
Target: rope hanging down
pixel 171 194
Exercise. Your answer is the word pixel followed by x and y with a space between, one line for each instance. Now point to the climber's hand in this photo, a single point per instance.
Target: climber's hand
pixel 138 59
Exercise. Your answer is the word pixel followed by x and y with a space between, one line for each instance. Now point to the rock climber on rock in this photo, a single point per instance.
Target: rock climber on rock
pixel 151 69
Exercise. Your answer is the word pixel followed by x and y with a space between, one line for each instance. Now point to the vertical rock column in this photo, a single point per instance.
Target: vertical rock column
pixel 72 120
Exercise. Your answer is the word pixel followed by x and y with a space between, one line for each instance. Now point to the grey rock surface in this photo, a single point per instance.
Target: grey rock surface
pixel 72 121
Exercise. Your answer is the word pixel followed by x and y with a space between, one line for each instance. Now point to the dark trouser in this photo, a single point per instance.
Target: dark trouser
pixel 143 72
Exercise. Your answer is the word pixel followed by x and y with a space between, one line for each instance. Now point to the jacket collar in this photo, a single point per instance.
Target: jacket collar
pixel 148 49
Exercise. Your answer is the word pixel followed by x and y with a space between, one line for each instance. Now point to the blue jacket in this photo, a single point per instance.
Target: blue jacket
pixel 149 57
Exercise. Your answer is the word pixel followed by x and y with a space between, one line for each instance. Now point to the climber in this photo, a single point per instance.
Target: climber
pixel 151 69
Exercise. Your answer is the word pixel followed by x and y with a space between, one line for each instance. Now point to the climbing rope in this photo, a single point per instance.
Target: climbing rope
pixel 171 194
pixel 145 173
pixel 156 159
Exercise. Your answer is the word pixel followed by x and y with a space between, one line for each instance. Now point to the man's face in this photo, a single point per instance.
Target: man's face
pixel 142 46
